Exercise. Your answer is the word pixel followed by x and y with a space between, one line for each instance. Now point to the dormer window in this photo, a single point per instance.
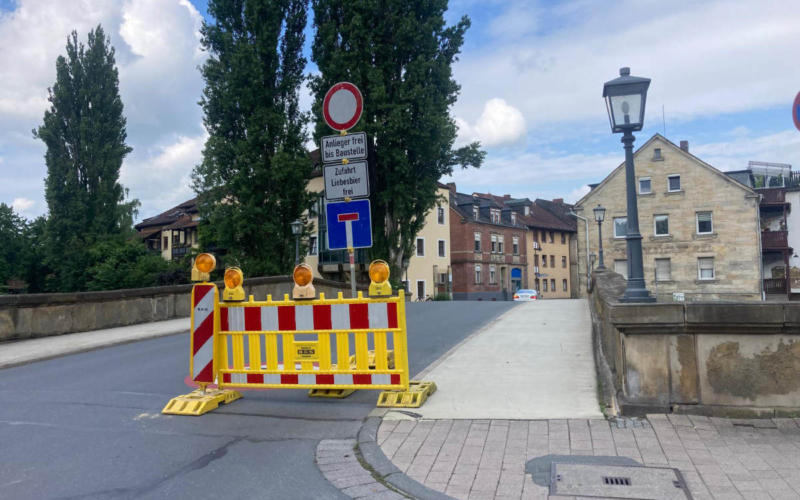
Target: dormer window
pixel 527 210
pixel 513 218
pixel 495 215
pixel 474 212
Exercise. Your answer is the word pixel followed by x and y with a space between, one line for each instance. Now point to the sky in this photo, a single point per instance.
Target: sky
pixel 724 75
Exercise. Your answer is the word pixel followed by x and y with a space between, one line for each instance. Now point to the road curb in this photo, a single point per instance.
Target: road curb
pixel 372 454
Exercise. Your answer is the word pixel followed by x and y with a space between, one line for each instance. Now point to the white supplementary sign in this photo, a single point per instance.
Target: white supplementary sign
pixel 346 181
pixel 336 148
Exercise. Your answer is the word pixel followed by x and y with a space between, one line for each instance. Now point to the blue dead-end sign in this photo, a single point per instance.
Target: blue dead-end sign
pixel 349 225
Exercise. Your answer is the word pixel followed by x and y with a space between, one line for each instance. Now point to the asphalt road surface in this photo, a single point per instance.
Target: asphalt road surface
pixel 90 425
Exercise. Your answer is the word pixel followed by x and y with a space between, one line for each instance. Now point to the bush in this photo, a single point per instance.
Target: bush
pixel 128 264
pixel 442 296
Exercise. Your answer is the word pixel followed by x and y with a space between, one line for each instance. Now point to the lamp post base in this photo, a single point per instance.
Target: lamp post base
pixel 637 292
pixel 627 299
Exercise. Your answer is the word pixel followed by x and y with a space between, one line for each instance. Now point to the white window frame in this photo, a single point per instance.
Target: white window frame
pixel 313 249
pixel 479 239
pixel 492 275
pixel 515 244
pixel 655 227
pixel 657 154
pixel 475 212
pixel 424 288
pixel 438 248
pixel 563 262
pixel 442 279
pixel 669 185
pixel 626 267
pixel 478 277
pixel 442 221
pixel 640 185
pixel 713 269
pixel 655 264
pixel 494 243
pixel 513 218
pixel 697 222
pixel 501 243
pixel 552 284
pixel 416 253
pixel 564 285
pixel 614 230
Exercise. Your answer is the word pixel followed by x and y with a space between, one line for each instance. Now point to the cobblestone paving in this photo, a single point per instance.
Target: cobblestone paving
pixel 485 459
pixel 337 462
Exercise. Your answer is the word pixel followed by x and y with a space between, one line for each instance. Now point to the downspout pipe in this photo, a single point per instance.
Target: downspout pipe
pixel 588 262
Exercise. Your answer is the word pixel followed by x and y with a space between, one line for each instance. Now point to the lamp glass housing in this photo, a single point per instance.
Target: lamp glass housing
pixel 599 213
pixel 297 227
pixel 625 101
pixel 592 257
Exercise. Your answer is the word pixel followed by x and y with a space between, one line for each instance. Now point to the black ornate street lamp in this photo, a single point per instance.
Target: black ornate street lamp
pixel 297 230
pixel 599 216
pixel 625 100
pixel 592 258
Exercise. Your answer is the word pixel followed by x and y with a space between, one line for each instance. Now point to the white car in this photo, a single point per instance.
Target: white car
pixel 525 295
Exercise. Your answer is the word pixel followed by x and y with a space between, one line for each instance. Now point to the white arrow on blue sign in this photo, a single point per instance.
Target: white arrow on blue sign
pixel 349 225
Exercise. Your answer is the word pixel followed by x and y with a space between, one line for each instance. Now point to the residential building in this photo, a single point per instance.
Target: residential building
pixel 428 272
pixel 700 228
pixel 778 187
pixel 548 242
pixel 489 252
pixel 173 233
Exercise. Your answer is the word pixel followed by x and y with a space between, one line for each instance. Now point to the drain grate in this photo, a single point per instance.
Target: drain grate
pixel 617 481
pixel 613 481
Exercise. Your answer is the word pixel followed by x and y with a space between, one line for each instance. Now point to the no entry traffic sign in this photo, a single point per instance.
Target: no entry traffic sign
pixel 796 111
pixel 342 106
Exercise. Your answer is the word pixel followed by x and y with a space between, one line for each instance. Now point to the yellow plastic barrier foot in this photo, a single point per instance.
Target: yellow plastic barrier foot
pixel 417 393
pixel 196 403
pixel 371 360
pixel 330 393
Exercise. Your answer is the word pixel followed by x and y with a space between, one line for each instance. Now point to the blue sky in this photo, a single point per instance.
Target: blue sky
pixel 531 73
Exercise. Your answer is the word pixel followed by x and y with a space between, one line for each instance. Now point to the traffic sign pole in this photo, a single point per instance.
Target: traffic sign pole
pixel 352 252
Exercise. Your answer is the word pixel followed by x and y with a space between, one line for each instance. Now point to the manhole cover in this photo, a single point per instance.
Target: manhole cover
pixel 608 481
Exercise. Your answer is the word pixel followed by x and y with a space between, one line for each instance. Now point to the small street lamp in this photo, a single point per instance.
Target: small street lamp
pixel 625 101
pixel 406 262
pixel 297 230
pixel 599 216
pixel 592 258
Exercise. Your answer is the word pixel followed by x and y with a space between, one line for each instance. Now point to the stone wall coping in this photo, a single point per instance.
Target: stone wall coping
pixel 44 299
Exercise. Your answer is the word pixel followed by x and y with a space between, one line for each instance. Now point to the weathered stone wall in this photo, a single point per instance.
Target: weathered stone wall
pixel 44 315
pixel 716 358
pixel 734 243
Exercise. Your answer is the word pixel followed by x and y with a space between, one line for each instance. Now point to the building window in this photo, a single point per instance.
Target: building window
pixel 705 224
pixel 661 225
pixel 673 183
pixel 442 249
pixel 314 210
pixel 442 278
pixel 477 274
pixel 553 285
pixel 563 238
pixel 564 261
pixel 544 260
pixel 440 215
pixel 494 243
pixel 166 242
pixel 564 285
pixel 496 216
pixel 552 261
pixel 621 267
pixel 421 289
pixel 620 227
pixel 544 236
pixel 657 154
pixel 536 260
pixel 477 242
pixel 663 270
pixel 500 241
pixel 535 237
pixel 552 237
pixel 492 275
pixel 420 247
pixel 515 245
pixel 513 218
pixel 536 285
pixel 527 210
pixel 312 245
pixel 474 212
pixel 176 239
pixel 644 185
pixel 705 268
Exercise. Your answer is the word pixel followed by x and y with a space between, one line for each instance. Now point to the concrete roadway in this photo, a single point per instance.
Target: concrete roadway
pixel 90 425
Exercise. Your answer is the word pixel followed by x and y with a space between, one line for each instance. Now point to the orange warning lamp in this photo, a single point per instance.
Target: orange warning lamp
pixel 203 265
pixel 233 285
pixel 379 279
pixel 303 276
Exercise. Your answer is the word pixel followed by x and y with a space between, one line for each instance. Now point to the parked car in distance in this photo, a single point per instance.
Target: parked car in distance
pixel 525 295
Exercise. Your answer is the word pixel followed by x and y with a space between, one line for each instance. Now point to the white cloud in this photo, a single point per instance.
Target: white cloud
pixel 22 206
pixel 500 124
pixel 578 193
pixel 780 147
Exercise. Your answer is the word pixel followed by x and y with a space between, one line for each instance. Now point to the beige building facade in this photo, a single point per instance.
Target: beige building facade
pixel 700 228
pixel 172 233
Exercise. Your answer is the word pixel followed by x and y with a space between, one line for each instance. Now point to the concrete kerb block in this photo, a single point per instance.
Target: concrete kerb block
pixel 372 454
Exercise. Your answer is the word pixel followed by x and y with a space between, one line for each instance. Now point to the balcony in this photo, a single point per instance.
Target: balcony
pixel 341 256
pixel 774 240
pixel 775 285
pixel 772 195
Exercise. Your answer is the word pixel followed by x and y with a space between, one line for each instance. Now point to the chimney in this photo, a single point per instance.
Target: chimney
pixel 558 200
pixel 506 196
pixel 452 187
pixel 685 146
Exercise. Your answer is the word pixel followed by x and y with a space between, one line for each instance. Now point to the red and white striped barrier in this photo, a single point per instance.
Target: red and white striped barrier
pixel 204 300
pixel 309 318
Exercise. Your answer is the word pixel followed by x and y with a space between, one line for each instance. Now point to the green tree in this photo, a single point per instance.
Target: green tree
pixel 400 54
pixel 128 264
pixel 12 249
pixel 252 179
pixel 84 131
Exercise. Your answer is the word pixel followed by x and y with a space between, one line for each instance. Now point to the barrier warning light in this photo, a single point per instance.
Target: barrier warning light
pixel 302 276
pixel 233 285
pixel 379 279
pixel 203 265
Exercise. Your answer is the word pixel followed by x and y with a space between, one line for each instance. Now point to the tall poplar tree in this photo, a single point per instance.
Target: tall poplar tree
pixel 400 54
pixel 84 131
pixel 255 168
